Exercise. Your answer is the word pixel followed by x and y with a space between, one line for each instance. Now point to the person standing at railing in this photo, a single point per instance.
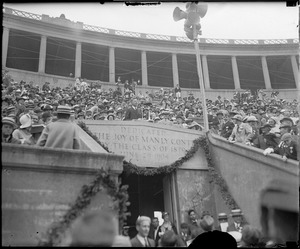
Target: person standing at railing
pixel 62 133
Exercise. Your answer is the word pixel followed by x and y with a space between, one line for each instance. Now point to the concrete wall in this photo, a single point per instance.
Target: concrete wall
pixel 39 185
pixel 247 171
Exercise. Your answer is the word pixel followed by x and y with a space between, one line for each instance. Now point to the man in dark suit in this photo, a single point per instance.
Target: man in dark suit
pixel 133 112
pixel 143 228
pixel 238 223
pixel 155 230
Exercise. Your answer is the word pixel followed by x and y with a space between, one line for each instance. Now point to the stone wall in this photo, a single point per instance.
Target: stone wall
pixel 247 172
pixel 40 184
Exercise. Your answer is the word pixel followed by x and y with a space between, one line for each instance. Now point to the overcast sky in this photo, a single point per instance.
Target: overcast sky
pixel 259 20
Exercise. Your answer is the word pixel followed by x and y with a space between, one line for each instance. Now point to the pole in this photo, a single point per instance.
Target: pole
pixel 200 75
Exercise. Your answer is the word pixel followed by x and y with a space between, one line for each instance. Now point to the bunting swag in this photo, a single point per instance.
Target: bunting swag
pixel 200 142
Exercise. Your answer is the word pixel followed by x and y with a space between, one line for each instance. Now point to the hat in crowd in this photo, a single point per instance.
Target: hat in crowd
pixel 25 121
pixel 111 114
pixel 64 109
pixel 164 113
pixel 9 121
pixel 222 216
pixel 81 114
pixel 238 117
pixel 286 137
pixel 164 214
pixel 284 126
pixel 11 109
pixel 286 118
pixel 220 112
pixel 30 105
pixel 266 125
pixel 233 112
pixel 119 110
pixel 236 212
pixel 252 119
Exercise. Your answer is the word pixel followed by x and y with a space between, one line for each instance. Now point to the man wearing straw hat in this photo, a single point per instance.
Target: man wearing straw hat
pixel 8 125
pixel 61 133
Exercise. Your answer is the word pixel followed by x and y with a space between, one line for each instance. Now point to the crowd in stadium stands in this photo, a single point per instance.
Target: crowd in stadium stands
pixel 268 123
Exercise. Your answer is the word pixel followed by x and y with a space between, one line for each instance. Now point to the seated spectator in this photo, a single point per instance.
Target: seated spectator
pixel 8 125
pixel 93 229
pixel 46 118
pixel 286 148
pixel 265 139
pixel 23 133
pixel 240 130
pixel 62 133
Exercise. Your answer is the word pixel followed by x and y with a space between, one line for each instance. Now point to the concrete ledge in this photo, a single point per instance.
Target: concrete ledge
pixel 255 154
pixel 22 156
pixel 247 172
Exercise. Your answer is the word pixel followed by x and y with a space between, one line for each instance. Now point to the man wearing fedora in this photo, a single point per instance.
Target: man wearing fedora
pixel 8 125
pixel 238 223
pixel 62 133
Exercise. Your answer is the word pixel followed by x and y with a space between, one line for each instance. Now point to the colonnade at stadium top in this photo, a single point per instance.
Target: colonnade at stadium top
pixel 57 46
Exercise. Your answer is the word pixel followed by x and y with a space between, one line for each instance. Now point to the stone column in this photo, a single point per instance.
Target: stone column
pixel 266 72
pixel 295 70
pixel 5 39
pixel 175 70
pixel 235 71
pixel 144 69
pixel 112 68
pixel 205 72
pixel 78 60
pixel 42 58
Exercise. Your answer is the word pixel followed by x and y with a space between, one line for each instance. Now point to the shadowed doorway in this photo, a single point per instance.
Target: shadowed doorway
pixel 146 196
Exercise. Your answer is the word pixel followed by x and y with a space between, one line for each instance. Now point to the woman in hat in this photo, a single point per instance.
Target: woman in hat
pixel 23 133
pixel 240 130
pixel 8 125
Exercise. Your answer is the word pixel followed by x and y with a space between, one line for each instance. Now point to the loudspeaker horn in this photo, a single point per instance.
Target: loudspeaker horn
pixel 178 14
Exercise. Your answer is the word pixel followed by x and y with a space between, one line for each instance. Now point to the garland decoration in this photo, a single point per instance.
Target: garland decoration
pixel 102 180
pixel 201 142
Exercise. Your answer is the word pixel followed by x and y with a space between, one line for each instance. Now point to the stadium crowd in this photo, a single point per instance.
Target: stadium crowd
pixel 269 123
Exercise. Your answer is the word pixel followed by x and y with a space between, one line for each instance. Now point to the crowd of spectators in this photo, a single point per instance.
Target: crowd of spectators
pixel 252 119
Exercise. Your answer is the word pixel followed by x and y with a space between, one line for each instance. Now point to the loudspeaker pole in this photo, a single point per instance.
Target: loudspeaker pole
pixel 200 75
